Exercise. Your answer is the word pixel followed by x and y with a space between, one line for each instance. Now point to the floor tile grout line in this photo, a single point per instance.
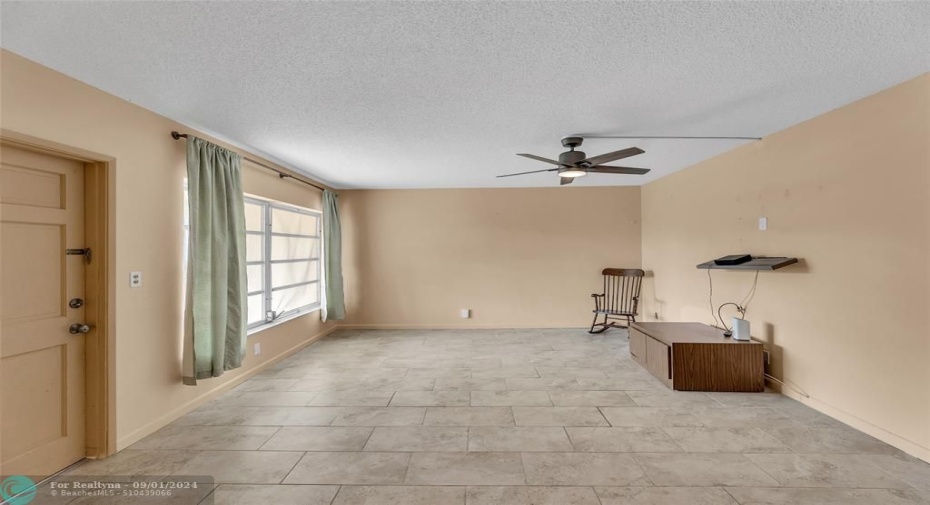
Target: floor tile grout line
pixel 336 494
pixel 407 469
pixel 597 495
pixel 763 470
pixel 286 475
pixel 370 433
pixel 715 400
pixel 727 491
pixel 569 437
pixel 604 416
pixel 670 437
pixel 639 465
pixel 269 438
pixel 201 502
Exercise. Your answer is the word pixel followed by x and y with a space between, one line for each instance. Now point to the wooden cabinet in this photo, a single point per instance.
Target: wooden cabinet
pixel 638 347
pixel 697 357
pixel 659 360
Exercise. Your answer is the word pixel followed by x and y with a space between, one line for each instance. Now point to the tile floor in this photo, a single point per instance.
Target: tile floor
pixel 520 417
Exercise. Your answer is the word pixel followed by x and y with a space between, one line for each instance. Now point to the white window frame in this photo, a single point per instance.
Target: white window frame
pixel 267 233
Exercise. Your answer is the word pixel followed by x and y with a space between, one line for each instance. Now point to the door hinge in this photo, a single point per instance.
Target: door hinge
pixel 80 252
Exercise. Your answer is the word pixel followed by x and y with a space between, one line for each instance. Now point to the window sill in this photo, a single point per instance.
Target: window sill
pixel 282 320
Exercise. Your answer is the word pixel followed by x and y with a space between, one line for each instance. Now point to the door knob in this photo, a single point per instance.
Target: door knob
pixel 77 328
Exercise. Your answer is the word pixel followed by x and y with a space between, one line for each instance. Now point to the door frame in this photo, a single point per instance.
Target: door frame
pixel 100 287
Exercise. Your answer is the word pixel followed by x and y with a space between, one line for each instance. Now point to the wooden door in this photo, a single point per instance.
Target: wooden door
pixel 42 369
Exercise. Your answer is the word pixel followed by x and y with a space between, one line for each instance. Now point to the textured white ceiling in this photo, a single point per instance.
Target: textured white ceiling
pixel 430 94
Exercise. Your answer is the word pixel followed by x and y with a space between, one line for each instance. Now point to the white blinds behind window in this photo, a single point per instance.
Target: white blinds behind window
pixel 294 259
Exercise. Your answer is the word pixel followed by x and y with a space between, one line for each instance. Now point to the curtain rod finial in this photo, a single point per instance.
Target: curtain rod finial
pixel 177 136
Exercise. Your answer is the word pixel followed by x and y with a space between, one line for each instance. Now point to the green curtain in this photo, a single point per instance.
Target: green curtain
pixel 217 275
pixel 334 305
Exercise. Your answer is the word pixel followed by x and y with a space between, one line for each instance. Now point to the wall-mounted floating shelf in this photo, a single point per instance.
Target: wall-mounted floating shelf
pixel 756 263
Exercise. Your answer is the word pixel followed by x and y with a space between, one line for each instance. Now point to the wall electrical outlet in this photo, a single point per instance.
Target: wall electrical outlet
pixel 465 313
pixel 763 223
pixel 257 348
pixel 135 279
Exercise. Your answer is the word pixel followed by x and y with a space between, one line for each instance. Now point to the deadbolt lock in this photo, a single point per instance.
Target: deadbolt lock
pixel 76 303
pixel 80 252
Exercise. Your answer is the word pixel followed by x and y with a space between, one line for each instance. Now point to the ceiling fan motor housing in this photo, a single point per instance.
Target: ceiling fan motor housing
pixel 571 158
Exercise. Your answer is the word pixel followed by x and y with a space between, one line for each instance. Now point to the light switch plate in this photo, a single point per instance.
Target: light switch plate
pixel 135 279
pixel 763 223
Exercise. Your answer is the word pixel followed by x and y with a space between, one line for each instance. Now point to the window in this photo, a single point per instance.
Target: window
pixel 283 260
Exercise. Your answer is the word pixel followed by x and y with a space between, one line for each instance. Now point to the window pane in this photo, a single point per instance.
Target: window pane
pixel 285 221
pixel 289 299
pixel 294 248
pixel 253 217
pixel 284 274
pixel 256 277
pixel 253 247
pixel 256 311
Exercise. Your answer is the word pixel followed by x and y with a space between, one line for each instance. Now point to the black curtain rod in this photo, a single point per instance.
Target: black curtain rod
pixel 178 136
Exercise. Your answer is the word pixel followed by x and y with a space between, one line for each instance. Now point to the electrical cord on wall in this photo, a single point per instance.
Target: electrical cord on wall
pixel 742 312
pixel 790 384
pixel 750 295
pixel 710 298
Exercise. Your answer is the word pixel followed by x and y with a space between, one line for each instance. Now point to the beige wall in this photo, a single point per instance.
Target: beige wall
pixel 148 175
pixel 527 257
pixel 848 193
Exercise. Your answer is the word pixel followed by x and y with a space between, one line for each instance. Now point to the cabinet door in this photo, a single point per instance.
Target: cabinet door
pixel 658 357
pixel 638 346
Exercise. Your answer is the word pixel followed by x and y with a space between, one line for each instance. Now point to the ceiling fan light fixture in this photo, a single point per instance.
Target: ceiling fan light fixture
pixel 573 172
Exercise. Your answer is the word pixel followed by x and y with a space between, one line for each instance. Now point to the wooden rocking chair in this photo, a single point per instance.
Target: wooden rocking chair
pixel 619 300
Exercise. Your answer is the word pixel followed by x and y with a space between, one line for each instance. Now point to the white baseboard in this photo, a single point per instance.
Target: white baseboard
pixel 172 416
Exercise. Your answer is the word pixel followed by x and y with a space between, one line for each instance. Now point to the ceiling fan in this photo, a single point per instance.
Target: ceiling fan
pixel 574 163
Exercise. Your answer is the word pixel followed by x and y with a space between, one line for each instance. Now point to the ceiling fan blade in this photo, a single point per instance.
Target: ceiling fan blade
pixel 603 169
pixel 533 172
pixel 616 155
pixel 539 158
pixel 566 180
